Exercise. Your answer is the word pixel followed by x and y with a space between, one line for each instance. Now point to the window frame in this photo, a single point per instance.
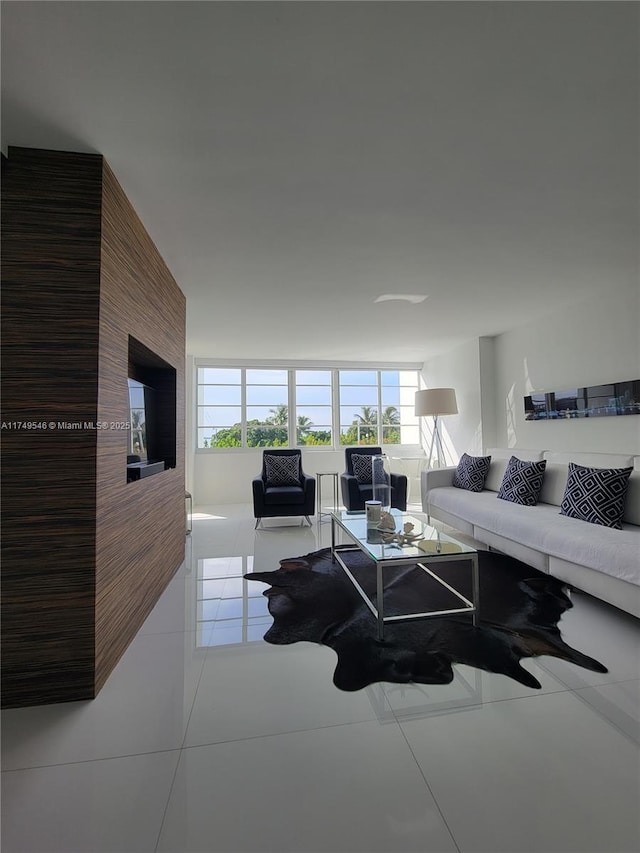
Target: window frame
pixel 333 369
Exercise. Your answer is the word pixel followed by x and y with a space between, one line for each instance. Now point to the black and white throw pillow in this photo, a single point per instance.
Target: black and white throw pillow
pixel 471 472
pixel 362 470
pixel 522 481
pixel 282 470
pixel 596 495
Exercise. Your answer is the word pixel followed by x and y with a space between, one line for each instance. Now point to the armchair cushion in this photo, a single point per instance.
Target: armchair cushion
pixel 282 470
pixel 362 470
pixel 284 496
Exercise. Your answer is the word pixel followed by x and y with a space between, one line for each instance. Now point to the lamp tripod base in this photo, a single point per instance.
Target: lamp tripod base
pixel 436 449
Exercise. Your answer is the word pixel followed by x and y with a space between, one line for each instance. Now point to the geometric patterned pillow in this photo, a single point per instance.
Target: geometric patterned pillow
pixel 522 481
pixel 596 495
pixel 471 472
pixel 282 470
pixel 362 469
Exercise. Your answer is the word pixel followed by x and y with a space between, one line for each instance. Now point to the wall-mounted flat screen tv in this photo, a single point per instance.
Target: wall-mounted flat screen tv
pixel 139 400
pixel 152 413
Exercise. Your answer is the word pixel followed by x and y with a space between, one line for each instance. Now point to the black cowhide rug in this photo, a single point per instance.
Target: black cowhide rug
pixel 312 599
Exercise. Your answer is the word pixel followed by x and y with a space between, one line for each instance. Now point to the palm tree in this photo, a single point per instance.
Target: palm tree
pixel 368 417
pixel 304 425
pixel 390 415
pixel 280 415
pixel 367 423
pixel 303 429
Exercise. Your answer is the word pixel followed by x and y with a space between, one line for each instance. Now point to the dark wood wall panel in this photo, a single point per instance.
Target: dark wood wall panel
pixel 51 213
pixel 85 555
pixel 140 526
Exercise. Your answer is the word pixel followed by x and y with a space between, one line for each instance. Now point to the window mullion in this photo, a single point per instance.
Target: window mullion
pixel 380 435
pixel 292 419
pixel 243 404
pixel 335 408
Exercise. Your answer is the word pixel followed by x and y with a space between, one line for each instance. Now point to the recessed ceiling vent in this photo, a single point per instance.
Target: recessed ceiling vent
pixel 414 298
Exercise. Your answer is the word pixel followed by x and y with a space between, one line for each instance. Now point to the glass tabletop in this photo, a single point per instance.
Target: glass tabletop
pixel 378 543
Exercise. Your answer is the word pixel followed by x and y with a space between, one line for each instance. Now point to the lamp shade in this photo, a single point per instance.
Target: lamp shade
pixel 436 401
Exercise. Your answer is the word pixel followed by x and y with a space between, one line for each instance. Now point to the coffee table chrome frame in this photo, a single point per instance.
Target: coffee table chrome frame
pixel 471 607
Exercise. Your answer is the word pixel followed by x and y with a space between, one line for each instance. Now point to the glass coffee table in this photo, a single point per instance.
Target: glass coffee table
pixel 431 548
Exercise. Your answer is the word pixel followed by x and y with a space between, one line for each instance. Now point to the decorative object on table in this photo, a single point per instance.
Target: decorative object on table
pixel 387 522
pixel 373 510
pixel 594 401
pixel 381 480
pixel 436 402
pixel 401 538
pixel 434 546
pixel 317 603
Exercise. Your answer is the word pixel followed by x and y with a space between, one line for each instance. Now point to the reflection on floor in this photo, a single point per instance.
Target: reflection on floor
pixel 206 738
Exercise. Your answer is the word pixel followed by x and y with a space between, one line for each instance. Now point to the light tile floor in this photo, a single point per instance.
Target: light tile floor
pixel 206 738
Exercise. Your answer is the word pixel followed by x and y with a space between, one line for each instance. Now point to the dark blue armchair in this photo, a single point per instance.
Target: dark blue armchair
pixel 282 488
pixel 355 492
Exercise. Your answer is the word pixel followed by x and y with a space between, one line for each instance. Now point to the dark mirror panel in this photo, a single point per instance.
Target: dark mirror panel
pixel 594 401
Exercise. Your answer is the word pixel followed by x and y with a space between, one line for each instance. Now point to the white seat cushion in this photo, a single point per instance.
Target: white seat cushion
pixel 542 528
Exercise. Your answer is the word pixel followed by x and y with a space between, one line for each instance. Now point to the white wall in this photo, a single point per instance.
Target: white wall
pixel 466 369
pixel 593 342
pixel 225 476
pixel 596 341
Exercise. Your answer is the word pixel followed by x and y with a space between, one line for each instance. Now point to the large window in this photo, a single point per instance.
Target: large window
pixel 314 407
pixel 219 409
pixel 259 407
pixel 377 407
pixel 267 411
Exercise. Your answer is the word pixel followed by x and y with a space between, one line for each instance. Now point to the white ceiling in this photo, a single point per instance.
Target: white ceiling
pixel 294 161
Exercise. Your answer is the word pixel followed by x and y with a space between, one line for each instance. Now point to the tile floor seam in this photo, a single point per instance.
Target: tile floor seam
pixel 162 633
pixel 428 787
pixel 89 760
pixel 166 805
pixel 285 733
pixel 400 717
pixel 591 707
pixel 537 695
pixel 559 678
pixel 608 683
pixel 195 696
pixel 603 716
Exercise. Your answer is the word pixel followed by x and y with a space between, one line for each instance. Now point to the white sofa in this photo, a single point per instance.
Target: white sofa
pixel 601 561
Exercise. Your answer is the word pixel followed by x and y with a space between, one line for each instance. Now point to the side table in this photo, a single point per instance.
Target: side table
pixel 325 514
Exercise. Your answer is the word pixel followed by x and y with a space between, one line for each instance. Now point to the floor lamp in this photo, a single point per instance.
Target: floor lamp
pixel 436 402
